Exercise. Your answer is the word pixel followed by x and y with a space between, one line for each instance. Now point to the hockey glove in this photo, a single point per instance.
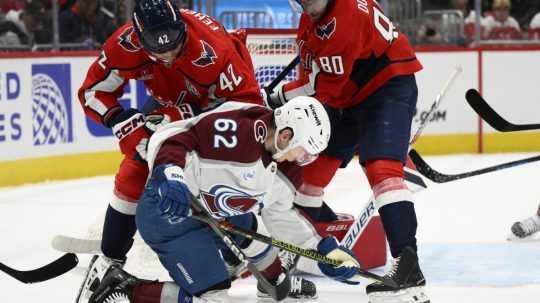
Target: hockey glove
pixel 132 133
pixel 317 214
pixel 174 197
pixel 163 115
pixel 347 269
pixel 273 99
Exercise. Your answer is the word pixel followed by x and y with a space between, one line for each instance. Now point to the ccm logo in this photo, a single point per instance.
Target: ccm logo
pixel 129 126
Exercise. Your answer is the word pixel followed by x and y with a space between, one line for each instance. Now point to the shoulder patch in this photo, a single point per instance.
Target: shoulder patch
pixel 207 57
pixel 260 131
pixel 325 31
pixel 126 42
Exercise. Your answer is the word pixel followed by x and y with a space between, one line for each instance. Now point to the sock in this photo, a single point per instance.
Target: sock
pixel 118 232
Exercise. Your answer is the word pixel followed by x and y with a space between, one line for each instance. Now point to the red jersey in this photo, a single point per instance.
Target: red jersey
pixel 349 53
pixel 213 66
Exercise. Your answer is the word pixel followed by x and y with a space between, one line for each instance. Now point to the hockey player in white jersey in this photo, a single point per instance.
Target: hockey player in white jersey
pixel 239 160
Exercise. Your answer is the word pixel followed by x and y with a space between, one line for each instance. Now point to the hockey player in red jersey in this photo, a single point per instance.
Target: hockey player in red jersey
pixel 362 68
pixel 239 160
pixel 188 62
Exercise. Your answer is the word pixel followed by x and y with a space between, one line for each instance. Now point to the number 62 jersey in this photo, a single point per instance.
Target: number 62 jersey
pixel 349 53
pixel 223 156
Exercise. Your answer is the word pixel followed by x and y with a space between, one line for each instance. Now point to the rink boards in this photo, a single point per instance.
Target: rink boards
pixel 45 135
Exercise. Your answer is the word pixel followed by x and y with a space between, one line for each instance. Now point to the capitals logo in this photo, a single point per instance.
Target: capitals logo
pixel 207 57
pixel 325 31
pixel 226 201
pixel 125 40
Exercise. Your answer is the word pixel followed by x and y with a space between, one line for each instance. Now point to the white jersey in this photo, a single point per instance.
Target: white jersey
pixel 225 162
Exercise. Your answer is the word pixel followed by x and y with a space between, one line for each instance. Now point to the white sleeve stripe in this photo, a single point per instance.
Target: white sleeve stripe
pixel 123 206
pixel 304 90
pixel 110 84
pixel 94 103
pixel 393 196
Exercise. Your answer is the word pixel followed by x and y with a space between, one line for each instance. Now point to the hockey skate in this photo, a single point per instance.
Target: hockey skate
pixel 300 288
pixel 116 287
pixel 94 275
pixel 526 227
pixel 407 274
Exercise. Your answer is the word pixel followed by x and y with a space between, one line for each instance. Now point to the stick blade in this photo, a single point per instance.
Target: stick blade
pixel 480 106
pixel 52 270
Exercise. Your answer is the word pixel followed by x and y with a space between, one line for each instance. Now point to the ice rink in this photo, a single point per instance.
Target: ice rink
pixel 462 233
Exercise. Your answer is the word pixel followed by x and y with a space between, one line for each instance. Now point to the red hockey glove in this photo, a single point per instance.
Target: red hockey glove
pixel 129 126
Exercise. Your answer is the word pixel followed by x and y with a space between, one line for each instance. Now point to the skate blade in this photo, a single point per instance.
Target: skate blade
pixel 513 238
pixel 408 295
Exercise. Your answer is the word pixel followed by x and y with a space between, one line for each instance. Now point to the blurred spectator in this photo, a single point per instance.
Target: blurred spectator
pixel 534 27
pixel 499 24
pixel 469 20
pixel 19 26
pixel 11 5
pixel 84 23
pixel 445 26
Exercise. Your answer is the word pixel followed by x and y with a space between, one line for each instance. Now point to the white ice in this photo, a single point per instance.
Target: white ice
pixel 462 233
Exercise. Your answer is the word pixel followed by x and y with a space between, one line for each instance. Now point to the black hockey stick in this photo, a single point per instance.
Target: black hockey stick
pixel 52 270
pixel 270 87
pixel 204 216
pixel 438 177
pixel 482 108
pixel 308 253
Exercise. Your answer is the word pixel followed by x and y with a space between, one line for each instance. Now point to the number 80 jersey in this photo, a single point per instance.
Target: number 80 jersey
pixel 349 53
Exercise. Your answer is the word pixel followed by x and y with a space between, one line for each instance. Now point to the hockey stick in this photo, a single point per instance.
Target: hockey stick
pixel 308 253
pixel 52 270
pixel 270 87
pixel 362 220
pixel 438 177
pixel 486 112
pixel 214 225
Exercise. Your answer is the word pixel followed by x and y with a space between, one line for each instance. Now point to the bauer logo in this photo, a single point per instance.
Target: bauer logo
pixel 51 104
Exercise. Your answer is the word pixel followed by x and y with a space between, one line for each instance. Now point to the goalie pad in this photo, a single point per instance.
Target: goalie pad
pixel 373 238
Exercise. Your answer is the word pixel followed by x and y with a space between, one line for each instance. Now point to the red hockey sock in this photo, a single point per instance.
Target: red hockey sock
pixel 148 292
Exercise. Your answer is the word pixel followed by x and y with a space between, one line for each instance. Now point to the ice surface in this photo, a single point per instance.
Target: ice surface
pixel 462 233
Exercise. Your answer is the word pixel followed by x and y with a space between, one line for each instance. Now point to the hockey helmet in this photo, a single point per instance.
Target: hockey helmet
pixel 159 25
pixel 309 122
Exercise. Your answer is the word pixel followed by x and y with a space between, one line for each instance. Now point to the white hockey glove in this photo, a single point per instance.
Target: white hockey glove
pixel 273 99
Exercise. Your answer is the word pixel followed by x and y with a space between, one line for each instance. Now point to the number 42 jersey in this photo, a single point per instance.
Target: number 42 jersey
pixel 349 53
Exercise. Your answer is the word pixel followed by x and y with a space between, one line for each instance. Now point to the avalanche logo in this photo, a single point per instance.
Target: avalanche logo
pixel 51 104
pixel 207 56
pixel 126 42
pixel 260 130
pixel 325 31
pixel 226 201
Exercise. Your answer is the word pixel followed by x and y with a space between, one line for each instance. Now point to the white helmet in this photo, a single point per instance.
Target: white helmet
pixel 309 122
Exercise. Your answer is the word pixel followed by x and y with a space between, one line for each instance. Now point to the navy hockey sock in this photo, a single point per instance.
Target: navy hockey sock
pixel 399 221
pixel 118 232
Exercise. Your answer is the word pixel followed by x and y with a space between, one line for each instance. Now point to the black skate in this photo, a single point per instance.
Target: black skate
pixel 409 278
pixel 116 287
pixel 289 260
pixel 300 288
pixel 526 227
pixel 98 267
